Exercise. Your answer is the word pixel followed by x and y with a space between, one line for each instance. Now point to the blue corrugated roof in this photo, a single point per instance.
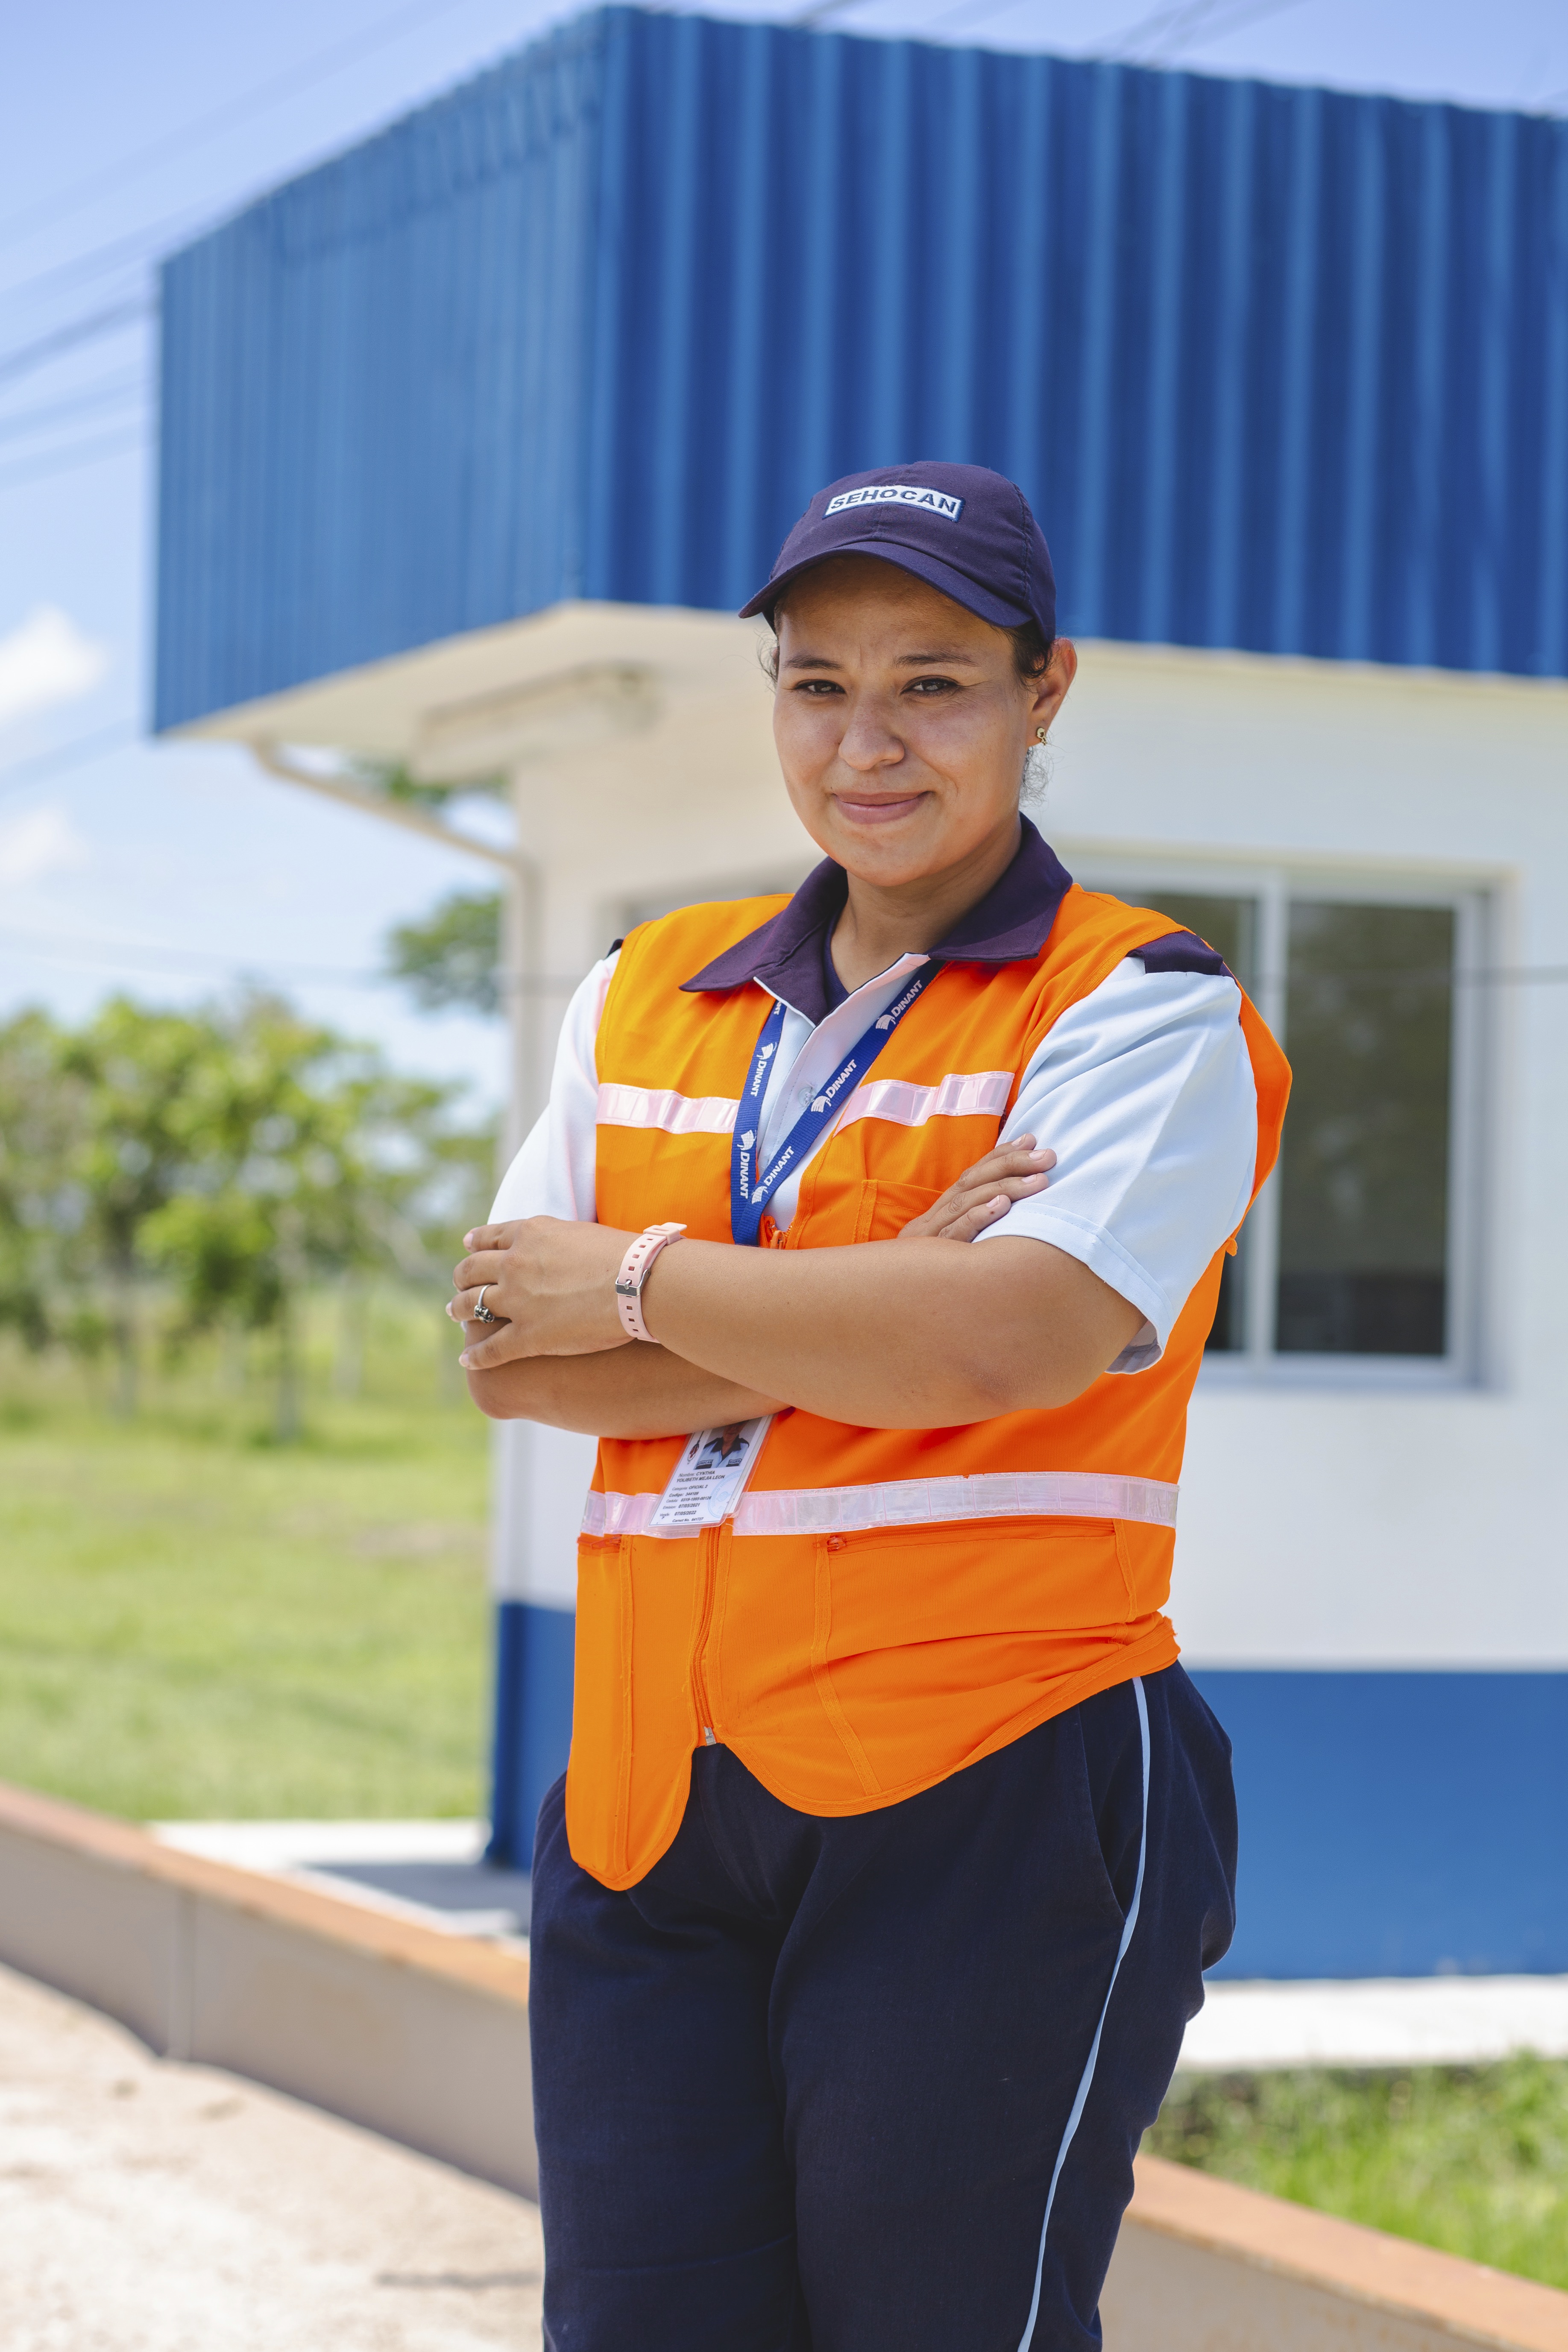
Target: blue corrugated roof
pixel 1281 368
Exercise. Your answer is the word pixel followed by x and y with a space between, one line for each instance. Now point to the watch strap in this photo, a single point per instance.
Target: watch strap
pixel 635 1268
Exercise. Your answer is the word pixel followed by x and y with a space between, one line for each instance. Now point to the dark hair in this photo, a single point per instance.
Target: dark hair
pixel 1032 650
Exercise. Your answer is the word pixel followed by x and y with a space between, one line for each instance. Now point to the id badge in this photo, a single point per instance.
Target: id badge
pixel 705 1484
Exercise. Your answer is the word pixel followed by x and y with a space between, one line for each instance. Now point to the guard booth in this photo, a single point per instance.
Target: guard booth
pixel 474 439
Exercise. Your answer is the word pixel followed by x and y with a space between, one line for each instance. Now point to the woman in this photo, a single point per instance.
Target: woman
pixel 895 1840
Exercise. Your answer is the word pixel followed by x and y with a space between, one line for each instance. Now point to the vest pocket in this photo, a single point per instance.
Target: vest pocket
pixel 835 1210
pixel 1008 1578
pixel 598 1780
pixel 925 1639
pixel 889 1207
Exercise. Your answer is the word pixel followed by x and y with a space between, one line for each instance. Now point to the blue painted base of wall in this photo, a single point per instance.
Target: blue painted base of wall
pixel 533 1722
pixel 1398 1825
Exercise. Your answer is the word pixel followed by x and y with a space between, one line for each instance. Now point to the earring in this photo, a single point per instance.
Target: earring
pixel 1040 734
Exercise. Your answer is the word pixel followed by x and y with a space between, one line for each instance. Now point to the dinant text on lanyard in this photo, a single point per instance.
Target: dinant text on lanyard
pixel 751 1190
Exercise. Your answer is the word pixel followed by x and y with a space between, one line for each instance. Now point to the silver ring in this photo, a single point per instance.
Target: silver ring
pixel 481 1313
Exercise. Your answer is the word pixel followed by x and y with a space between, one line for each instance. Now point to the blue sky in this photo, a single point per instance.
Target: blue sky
pixel 174 871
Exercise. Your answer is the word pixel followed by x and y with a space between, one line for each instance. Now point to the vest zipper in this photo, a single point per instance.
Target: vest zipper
pixel 709 1554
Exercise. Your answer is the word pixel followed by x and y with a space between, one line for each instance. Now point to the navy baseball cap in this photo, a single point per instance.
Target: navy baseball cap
pixel 965 529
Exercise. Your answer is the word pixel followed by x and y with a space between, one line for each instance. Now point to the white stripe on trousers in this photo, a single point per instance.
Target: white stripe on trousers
pixel 1079 2103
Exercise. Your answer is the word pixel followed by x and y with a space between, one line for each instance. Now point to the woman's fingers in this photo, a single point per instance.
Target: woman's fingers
pixel 1016 1188
pixel 488 1237
pixel 972 1210
pixel 554 1284
pixel 1015 1157
pixel 964 1197
pixel 484 1265
pixel 1018 1154
pixel 485 1344
pixel 974 1221
pixel 1020 1163
pixel 1010 1174
pixel 489 1345
pixel 464 1307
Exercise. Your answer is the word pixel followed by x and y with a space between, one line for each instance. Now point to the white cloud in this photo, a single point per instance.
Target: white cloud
pixel 43 842
pixel 47 660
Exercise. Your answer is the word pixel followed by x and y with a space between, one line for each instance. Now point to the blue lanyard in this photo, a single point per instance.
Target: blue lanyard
pixel 751 1191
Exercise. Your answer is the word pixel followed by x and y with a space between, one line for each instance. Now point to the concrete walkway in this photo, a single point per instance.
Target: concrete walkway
pixel 1381 2021
pixel 430 1870
pixel 153 2208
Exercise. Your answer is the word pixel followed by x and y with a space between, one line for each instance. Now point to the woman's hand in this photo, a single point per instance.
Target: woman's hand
pixel 552 1283
pixel 983 1193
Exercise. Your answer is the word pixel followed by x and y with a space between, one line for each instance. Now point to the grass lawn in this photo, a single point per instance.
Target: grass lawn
pixel 196 1622
pixel 1470 2158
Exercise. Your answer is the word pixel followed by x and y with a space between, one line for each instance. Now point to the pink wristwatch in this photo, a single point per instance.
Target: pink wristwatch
pixel 634 1273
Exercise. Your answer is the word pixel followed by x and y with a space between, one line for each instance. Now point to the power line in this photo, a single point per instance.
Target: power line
pixel 319 67
pixel 973 11
pixel 821 10
pixel 55 947
pixel 96 325
pixel 117 253
pixel 1186 20
pixel 70 459
pixel 1184 15
pixel 1248 14
pixel 67 755
pixel 1174 28
pixel 107 394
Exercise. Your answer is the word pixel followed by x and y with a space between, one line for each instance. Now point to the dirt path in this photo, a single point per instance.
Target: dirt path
pixel 146 2207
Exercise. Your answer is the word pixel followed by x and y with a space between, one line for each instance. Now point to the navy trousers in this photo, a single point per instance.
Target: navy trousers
pixel 875 2084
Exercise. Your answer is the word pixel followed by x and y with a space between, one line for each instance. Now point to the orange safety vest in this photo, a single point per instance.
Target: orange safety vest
pixel 885 1606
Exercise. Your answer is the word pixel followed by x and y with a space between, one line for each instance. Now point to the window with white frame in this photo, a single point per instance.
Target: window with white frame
pixel 1356 1252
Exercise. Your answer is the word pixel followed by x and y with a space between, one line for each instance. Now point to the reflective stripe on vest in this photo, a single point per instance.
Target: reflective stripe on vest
pixel 909 1503
pixel 965 1094
pixel 662 1107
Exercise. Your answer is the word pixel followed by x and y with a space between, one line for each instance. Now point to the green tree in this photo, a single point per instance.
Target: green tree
pixel 453 958
pixel 92 1144
pixel 132 1070
pixel 42 1118
pixel 308 1158
pixel 236 1154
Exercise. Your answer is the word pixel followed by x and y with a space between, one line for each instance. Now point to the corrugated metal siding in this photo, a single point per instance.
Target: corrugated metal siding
pixel 1281 368
pixel 372 393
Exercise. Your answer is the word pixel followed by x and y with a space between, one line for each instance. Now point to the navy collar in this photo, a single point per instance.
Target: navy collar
pixel 1010 925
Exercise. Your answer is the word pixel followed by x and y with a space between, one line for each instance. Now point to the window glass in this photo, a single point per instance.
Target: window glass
pixel 1231 926
pixel 1364 1208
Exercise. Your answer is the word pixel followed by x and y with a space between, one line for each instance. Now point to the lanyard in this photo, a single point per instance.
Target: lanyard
pixel 751 1190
